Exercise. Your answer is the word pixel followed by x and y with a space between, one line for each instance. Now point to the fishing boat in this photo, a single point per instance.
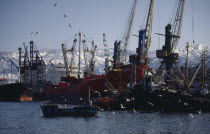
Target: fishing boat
pixel 53 110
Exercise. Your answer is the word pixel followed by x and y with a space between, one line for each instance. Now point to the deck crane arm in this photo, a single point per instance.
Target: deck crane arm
pixel 85 51
pixel 92 60
pixel 10 60
pixel 127 32
pixel 106 48
pixel 65 59
pixel 72 50
pixel 106 52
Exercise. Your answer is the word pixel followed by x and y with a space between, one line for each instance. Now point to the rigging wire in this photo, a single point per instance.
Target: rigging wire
pixel 69 39
pixel 158 23
pixel 143 26
pixel 173 13
pixel 193 30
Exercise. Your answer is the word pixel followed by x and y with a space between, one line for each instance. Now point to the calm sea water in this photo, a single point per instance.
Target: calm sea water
pixel 27 118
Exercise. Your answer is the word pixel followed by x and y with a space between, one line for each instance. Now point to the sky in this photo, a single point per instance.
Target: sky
pixel 18 18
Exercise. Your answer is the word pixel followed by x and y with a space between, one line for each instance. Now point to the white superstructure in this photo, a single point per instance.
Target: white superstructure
pixel 57 71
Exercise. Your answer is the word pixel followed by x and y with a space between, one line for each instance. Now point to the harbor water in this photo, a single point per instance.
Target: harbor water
pixel 27 118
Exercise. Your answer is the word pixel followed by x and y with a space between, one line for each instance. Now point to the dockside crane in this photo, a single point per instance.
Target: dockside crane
pixel 173 75
pixel 172 36
pixel 144 41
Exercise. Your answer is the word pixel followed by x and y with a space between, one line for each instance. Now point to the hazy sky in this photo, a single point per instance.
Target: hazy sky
pixel 18 18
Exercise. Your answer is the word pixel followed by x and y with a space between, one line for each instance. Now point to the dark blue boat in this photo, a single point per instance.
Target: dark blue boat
pixel 53 110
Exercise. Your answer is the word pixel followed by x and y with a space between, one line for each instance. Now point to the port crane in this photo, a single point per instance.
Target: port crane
pixel 172 36
pixel 120 47
pixel 144 41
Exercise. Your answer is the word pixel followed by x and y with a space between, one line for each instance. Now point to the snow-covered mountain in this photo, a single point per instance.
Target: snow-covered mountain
pixel 55 56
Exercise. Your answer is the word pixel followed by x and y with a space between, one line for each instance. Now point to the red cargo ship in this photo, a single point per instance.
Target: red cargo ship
pixel 119 78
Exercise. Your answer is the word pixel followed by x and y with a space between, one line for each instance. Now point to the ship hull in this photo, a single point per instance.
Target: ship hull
pixel 75 94
pixel 116 79
pixel 12 92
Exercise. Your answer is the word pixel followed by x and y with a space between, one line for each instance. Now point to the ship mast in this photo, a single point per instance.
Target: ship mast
pixel 186 67
pixel 204 68
pixel 80 42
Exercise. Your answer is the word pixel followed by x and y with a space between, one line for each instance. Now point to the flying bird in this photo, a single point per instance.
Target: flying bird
pixel 55 4
pixel 70 25
pixel 64 16
pixel 32 32
pixel 36 32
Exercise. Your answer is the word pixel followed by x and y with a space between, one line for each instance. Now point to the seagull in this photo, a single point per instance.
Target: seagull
pixel 113 112
pixel 70 25
pixel 191 115
pixel 185 104
pixel 134 110
pixel 122 106
pixel 150 104
pixel 199 111
pixel 55 4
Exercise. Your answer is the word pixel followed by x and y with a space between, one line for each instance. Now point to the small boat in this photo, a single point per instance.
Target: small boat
pixel 54 110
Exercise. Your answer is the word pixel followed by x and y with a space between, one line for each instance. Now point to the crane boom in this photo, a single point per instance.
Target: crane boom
pixel 10 60
pixel 106 49
pixel 177 25
pixel 128 29
pixel 106 52
pixel 149 25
